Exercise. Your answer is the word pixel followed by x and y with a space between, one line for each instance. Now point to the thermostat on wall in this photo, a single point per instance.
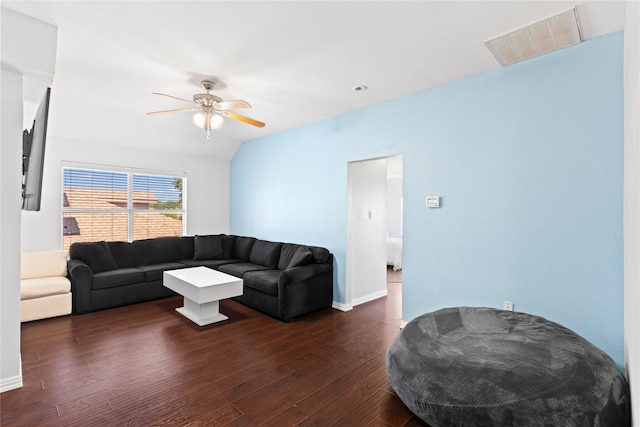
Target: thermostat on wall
pixel 433 201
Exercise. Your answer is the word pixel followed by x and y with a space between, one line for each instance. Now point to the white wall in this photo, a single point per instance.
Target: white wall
pixel 366 218
pixel 207 187
pixel 23 70
pixel 29 48
pixel 10 158
pixel 632 203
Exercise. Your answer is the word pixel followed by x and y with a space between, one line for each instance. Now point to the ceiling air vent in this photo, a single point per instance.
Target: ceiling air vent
pixel 544 36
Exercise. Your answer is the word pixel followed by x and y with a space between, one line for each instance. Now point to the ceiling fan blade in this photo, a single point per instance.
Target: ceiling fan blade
pixel 175 97
pixel 242 118
pixel 179 110
pixel 230 105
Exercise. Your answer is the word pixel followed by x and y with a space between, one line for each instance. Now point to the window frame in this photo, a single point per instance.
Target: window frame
pixel 129 210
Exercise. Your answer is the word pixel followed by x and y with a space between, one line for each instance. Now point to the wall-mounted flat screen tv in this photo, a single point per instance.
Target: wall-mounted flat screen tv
pixel 33 149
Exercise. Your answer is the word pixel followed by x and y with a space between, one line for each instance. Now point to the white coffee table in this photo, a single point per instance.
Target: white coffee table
pixel 202 289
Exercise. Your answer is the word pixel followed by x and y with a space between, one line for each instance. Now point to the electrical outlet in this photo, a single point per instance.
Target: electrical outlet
pixel 508 305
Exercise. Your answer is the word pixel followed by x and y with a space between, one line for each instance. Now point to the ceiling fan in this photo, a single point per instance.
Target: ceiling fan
pixel 211 109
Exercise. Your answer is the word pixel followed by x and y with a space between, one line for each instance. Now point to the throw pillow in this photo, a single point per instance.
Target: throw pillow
pixel 302 257
pixel 286 253
pixel 207 247
pixel 320 255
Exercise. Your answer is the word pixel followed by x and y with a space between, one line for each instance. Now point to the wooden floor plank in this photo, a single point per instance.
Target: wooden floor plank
pixel 145 364
pixel 292 416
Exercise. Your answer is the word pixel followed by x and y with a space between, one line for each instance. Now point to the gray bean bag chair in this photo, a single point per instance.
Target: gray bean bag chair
pixel 480 367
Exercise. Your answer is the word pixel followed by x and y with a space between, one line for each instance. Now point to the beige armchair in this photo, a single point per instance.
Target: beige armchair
pixel 45 290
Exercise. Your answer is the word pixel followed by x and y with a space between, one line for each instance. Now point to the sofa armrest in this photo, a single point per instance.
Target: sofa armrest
pixel 80 275
pixel 304 289
pixel 302 273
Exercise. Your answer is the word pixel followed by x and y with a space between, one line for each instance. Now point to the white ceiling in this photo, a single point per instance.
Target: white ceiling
pixel 296 62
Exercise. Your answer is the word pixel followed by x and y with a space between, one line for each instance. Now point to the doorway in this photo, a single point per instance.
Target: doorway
pixel 374 214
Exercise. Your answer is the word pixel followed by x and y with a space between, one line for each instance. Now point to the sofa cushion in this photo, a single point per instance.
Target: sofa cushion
pixel 242 247
pixel 303 256
pixel 44 287
pixel 123 254
pixel 95 254
pixel 265 281
pixel 286 253
pixel 43 264
pixel 239 268
pixel 115 278
pixel 227 246
pixel 154 271
pixel 156 250
pixel 207 247
pixel 265 253
pixel 185 247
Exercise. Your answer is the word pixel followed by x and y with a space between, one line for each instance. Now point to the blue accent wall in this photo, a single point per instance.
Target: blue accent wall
pixel 528 162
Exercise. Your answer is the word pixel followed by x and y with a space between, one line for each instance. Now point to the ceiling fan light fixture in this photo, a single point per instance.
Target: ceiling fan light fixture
pixel 210 109
pixel 207 120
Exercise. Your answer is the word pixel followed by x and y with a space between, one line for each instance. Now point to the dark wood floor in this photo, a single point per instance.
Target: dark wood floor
pixel 147 365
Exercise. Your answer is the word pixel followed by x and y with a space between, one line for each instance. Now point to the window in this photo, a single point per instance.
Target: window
pixel 120 205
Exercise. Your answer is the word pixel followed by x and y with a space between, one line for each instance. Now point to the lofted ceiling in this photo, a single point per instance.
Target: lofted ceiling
pixel 296 62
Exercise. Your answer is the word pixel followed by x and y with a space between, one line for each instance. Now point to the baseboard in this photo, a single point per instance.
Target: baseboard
pixel 369 297
pixel 342 307
pixel 7 384
pixel 347 307
pixel 11 383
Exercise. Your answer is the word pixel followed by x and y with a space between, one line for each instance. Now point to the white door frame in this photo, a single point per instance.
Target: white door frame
pixel 351 247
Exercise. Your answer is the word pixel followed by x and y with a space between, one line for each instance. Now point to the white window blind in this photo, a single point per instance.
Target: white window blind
pixel 120 205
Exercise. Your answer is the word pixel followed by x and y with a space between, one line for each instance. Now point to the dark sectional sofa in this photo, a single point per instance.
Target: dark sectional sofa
pixel 283 280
